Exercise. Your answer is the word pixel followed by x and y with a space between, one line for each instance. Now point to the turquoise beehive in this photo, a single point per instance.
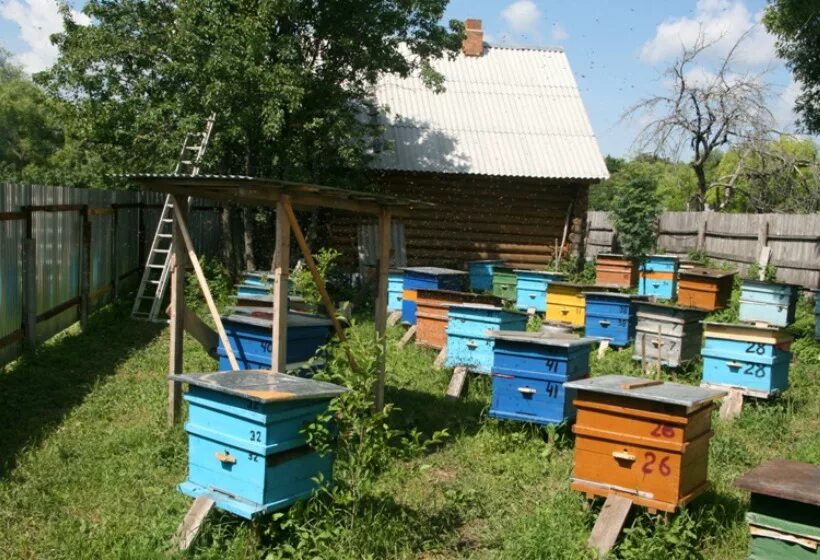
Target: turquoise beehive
pixel 481 274
pixel 395 290
pixel 531 288
pixel 468 343
pixel 816 314
pixel 246 451
pixel 768 302
pixel 658 276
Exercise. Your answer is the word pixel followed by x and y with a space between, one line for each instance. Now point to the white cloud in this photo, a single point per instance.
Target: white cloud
pixel 559 34
pixel 522 17
pixel 38 20
pixel 720 21
pixel 783 107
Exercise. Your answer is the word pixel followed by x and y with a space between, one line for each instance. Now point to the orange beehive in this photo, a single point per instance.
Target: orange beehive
pixel 642 439
pixel 431 313
pixel 704 288
pixel 616 270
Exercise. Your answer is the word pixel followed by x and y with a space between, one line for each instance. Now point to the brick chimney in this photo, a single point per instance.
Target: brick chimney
pixel 474 42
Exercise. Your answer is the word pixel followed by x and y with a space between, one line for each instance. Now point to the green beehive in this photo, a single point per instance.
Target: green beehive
pixel 784 512
pixel 504 282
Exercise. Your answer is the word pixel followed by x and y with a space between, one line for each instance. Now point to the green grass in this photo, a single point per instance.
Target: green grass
pixel 88 466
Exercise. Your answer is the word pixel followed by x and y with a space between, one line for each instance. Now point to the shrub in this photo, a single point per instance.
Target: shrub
pixel 635 216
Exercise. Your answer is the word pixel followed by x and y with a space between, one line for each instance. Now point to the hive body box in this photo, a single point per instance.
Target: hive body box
pixel 816 314
pixel 245 449
pixel 504 283
pixel 467 341
pixel 245 290
pixel 611 315
pixel 645 440
pixel 427 278
pixel 481 274
pixel 705 288
pixel 566 303
pixel 529 372
pixel 615 270
pixel 754 359
pixel 658 277
pixel 784 513
pixel 250 339
pixel 531 288
pixel 667 334
pixel 431 313
pixel 767 302
pixel 395 290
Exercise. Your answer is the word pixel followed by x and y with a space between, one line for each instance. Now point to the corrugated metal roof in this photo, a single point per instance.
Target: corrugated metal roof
pixel 514 112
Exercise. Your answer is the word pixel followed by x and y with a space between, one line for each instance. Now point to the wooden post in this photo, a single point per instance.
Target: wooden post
pixel 85 269
pixel 609 524
pixel 177 323
pixel 762 235
pixel 29 283
pixel 281 262
pixel 702 225
pixel 140 235
pixel 383 268
pixel 115 276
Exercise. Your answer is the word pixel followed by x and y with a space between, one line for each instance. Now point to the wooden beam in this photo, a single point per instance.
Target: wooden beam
pixel 181 220
pixel 175 353
pixel 609 524
pixel 198 329
pixel 457 383
pixel 11 216
pixel 281 264
pixel 188 530
pixel 383 267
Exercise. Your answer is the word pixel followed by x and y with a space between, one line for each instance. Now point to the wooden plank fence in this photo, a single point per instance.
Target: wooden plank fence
pixel 65 252
pixel 736 239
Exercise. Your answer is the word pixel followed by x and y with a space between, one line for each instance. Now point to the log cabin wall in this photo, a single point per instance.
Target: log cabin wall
pixel 518 220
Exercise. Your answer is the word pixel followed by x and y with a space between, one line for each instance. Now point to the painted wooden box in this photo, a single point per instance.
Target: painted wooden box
pixel 658 276
pixel 467 341
pixel 529 372
pixel 427 278
pixel 481 274
pixel 431 313
pixel 245 449
pixel 245 290
pixel 504 283
pixel 395 290
pixel 768 302
pixel 250 339
pixel 612 316
pixel 816 314
pixel 257 278
pixel 705 288
pixel 531 288
pixel 784 511
pixel 755 359
pixel 667 334
pixel 565 303
pixel 643 439
pixel 618 271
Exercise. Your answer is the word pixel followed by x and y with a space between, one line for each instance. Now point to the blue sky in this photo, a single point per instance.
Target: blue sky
pixel 618 49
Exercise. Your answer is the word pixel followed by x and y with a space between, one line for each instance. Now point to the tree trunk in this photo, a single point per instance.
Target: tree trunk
pixel 227 242
pixel 248 237
pixel 700 174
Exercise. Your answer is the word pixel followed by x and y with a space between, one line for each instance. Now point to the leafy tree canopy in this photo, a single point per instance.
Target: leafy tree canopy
pixel 796 24
pixel 635 215
pixel 287 79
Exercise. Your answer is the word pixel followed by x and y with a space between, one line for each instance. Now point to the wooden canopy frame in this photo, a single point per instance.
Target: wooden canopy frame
pixel 284 196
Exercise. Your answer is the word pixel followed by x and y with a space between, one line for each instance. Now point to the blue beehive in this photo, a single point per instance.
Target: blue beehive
pixel 252 290
pixel 427 278
pixel 245 449
pixel 768 302
pixel 250 339
pixel 611 315
pixel 481 274
pixel 261 279
pixel 529 372
pixel 816 314
pixel 531 287
pixel 467 340
pixel 658 276
pixel 755 359
pixel 395 290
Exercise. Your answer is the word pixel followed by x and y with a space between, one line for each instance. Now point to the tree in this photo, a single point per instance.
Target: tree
pixel 704 111
pixel 796 24
pixel 288 80
pixel 635 216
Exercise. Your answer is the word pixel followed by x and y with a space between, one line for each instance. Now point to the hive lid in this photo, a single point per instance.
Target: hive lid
pixel 704 272
pixel 262 386
pixel 669 306
pixel 432 270
pixel 668 257
pixel 294 320
pixel 665 392
pixel 258 273
pixel 621 295
pixel 789 480
pixel 486 261
pixel 735 331
pixel 565 340
pixel 749 281
pixel 539 272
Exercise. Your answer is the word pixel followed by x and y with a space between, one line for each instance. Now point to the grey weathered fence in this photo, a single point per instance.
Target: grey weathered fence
pixel 64 252
pixel 737 239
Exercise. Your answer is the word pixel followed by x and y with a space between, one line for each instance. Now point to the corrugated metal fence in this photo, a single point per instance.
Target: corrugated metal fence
pixel 118 228
pixel 734 238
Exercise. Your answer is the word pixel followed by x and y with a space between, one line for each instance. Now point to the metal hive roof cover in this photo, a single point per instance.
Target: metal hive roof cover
pixel 511 112
pixel 789 480
pixel 434 270
pixel 262 386
pixel 294 320
pixel 566 340
pixel 666 392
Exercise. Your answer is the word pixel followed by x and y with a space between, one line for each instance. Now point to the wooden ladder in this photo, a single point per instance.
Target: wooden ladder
pixel 148 303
